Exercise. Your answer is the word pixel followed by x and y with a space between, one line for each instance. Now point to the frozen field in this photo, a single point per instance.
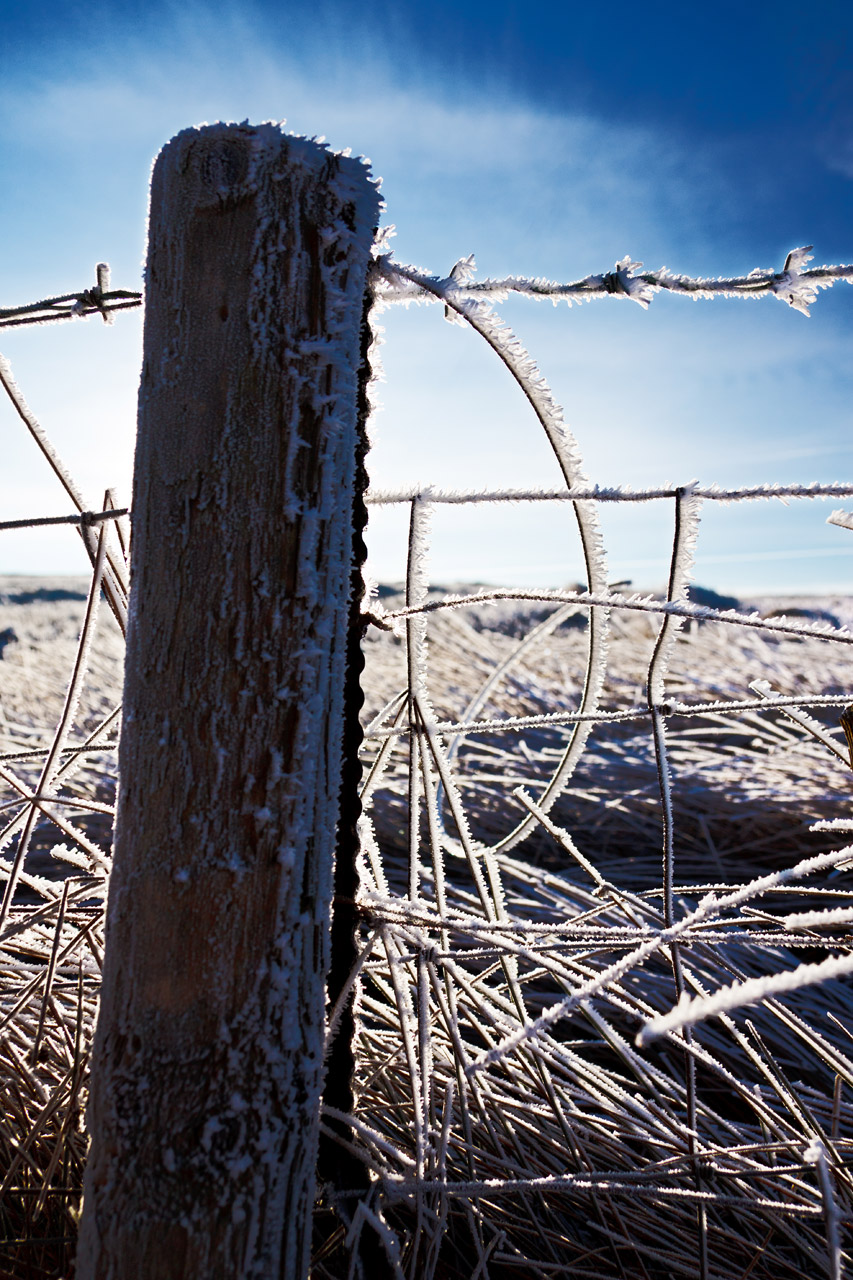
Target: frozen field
pixel 747 789
pixel 741 785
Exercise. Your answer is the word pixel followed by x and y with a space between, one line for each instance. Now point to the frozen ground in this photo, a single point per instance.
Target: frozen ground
pixel 742 784
pixel 760 770
pixel 746 791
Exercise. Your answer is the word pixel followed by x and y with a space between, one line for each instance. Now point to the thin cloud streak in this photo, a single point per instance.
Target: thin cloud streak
pixel 716 391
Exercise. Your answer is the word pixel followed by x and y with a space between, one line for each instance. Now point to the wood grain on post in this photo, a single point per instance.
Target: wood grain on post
pixel 208 1057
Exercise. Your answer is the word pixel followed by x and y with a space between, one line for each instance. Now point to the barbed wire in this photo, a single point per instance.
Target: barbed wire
pixel 796 284
pixel 99 299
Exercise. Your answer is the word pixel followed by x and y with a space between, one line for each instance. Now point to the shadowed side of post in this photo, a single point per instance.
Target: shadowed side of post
pixel 208 1057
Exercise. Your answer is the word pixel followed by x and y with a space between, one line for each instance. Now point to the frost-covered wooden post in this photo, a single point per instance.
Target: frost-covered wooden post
pixel 207 1064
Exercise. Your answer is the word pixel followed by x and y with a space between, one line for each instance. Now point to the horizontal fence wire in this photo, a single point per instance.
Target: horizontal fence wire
pixel 595 493
pixel 97 300
pixel 606 854
pixel 796 284
pixel 83 518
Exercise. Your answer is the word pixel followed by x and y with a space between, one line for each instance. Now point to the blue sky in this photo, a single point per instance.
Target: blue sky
pixel 547 139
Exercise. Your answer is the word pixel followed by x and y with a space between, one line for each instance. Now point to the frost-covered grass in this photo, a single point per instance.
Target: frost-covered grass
pixel 507 1112
pixel 55 829
pixel 515 1106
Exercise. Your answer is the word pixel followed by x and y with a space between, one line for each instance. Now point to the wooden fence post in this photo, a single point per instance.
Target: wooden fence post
pixel 208 1057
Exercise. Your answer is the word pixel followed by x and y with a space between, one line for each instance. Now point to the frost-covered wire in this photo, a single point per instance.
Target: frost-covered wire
pixel 85 517
pixel 99 299
pixel 637 603
pixel 620 493
pixel 797 284
pixel 509 724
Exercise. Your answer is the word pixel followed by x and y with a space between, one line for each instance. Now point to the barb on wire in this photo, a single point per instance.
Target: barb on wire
pixel 98 299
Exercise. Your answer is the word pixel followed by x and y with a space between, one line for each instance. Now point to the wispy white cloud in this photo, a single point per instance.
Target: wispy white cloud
pixel 683 390
pixel 559 189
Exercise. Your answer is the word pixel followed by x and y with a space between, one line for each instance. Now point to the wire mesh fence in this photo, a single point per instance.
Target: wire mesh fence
pixel 523 923
pixel 553 915
pixel 603 995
